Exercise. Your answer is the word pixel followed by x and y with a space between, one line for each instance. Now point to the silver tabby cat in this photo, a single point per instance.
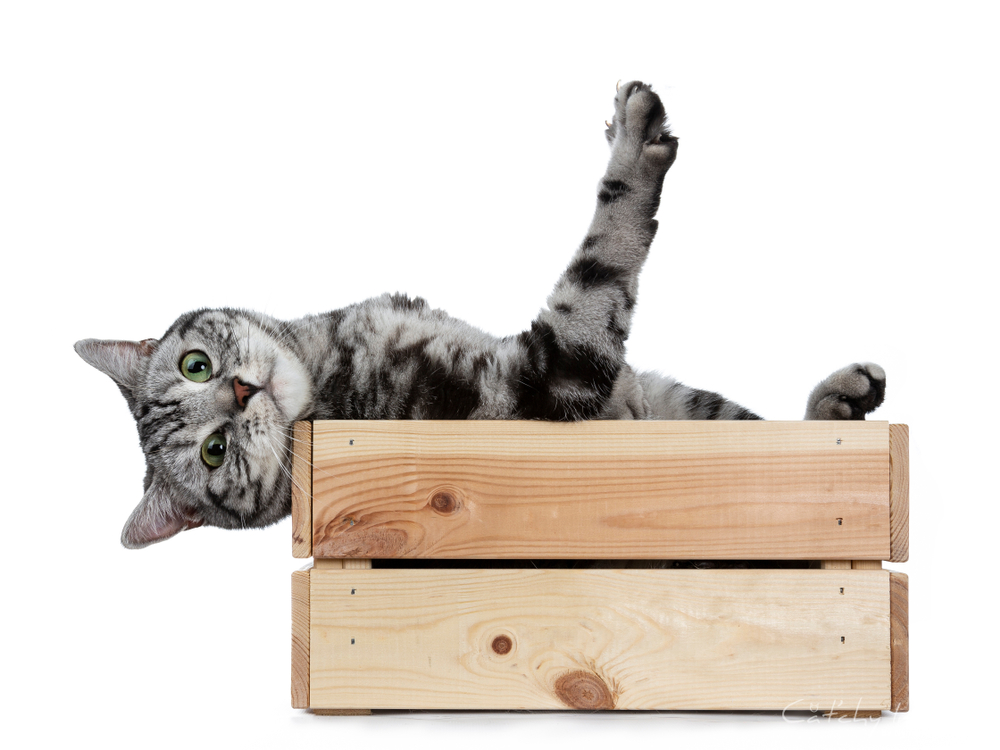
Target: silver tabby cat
pixel 214 398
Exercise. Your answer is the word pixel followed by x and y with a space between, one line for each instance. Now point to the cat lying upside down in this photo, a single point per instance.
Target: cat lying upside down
pixel 214 399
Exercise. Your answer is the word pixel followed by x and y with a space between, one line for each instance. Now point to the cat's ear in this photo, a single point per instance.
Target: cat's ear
pixel 122 361
pixel 157 517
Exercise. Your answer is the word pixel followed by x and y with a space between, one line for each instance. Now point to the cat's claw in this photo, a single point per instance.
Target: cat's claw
pixel 849 393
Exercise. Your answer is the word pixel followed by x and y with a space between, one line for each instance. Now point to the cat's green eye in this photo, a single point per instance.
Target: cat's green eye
pixel 196 366
pixel 213 450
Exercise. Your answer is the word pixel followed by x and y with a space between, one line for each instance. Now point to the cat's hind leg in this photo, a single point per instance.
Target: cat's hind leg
pixel 849 393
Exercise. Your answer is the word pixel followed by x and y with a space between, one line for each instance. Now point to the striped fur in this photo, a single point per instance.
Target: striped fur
pixel 394 357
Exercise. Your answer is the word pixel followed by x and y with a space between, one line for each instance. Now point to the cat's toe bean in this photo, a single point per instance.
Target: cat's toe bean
pixel 875 371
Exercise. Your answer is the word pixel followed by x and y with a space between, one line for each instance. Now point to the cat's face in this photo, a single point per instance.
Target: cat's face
pixel 214 401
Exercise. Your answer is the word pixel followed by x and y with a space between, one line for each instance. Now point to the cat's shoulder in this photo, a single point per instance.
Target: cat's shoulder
pixel 403 304
pixel 400 302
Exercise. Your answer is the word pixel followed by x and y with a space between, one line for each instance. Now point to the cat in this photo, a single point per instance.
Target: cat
pixel 215 397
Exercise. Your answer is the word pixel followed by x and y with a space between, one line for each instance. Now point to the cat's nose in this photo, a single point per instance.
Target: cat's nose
pixel 243 391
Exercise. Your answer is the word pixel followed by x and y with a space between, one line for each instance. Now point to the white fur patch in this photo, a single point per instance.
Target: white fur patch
pixel 289 387
pixel 280 374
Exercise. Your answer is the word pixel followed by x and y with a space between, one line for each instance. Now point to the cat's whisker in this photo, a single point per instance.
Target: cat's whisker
pixel 291 453
pixel 285 469
pixel 301 489
pixel 285 333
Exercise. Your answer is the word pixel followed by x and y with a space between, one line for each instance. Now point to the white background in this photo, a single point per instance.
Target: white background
pixel 834 200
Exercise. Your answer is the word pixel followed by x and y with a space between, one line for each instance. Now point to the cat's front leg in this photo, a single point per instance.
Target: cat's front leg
pixel 576 346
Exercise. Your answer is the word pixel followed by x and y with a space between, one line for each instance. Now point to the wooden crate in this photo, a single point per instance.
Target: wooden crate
pixel 827 633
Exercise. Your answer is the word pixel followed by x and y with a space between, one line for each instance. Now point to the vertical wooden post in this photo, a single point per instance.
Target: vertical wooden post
pixel 302 464
pixel 899 638
pixel 348 564
pixel 328 563
pixel 300 639
pixel 899 492
pixel 851 565
pixel 866 564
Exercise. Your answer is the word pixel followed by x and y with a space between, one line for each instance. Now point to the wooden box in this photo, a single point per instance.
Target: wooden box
pixel 441 579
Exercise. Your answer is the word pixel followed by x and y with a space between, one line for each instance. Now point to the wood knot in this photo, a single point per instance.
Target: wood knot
pixel 584 690
pixel 502 644
pixel 445 501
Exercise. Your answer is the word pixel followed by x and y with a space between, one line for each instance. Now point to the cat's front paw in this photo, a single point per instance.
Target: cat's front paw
pixel 850 393
pixel 639 127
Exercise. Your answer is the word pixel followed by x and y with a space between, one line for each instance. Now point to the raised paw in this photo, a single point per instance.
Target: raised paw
pixel 639 127
pixel 850 393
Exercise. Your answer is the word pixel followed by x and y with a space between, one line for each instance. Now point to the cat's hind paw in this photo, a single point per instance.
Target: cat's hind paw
pixel 849 393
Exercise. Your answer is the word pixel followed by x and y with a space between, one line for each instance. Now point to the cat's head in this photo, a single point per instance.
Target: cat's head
pixel 214 400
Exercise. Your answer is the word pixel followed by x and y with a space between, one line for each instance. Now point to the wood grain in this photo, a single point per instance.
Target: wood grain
pixel 300 639
pixel 612 490
pixel 866 564
pixel 302 445
pixel 355 564
pixel 899 623
pixel 594 639
pixel 899 492
pixel 326 563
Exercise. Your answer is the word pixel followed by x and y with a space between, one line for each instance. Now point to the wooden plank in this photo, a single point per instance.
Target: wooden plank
pixel 899 492
pixel 596 639
pixel 612 490
pixel 300 639
pixel 302 444
pixel 866 564
pixel 835 564
pixel 899 598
